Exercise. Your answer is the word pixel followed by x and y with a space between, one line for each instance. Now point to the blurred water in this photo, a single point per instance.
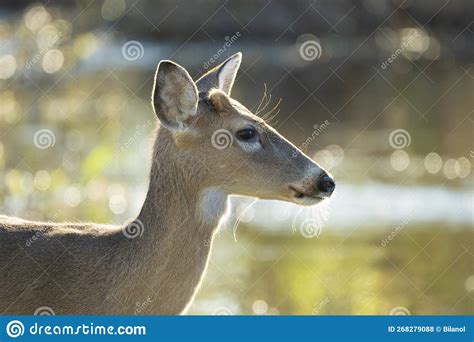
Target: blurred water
pixel 367 204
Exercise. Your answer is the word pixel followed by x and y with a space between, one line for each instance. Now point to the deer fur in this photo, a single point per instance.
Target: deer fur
pixel 92 269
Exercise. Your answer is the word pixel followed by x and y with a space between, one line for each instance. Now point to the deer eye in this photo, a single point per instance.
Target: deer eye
pixel 246 134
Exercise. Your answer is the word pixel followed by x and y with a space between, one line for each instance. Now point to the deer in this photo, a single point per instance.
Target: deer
pixel 207 147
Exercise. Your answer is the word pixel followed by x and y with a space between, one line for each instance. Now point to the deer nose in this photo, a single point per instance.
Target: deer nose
pixel 326 184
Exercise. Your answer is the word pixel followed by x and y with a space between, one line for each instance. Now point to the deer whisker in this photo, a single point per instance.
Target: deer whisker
pixel 264 96
pixel 272 113
pixel 239 218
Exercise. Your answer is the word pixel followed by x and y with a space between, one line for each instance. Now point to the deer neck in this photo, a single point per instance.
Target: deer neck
pixel 180 215
pixel 179 192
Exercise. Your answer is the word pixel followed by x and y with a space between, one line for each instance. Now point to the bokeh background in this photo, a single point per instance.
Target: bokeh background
pixel 380 92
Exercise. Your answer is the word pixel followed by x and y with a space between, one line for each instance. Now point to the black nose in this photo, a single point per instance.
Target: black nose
pixel 326 184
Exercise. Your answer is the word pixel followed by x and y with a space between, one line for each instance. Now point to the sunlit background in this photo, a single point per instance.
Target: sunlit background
pixel 379 92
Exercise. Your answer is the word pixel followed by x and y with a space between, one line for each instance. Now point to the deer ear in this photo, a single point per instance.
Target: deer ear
pixel 222 76
pixel 175 96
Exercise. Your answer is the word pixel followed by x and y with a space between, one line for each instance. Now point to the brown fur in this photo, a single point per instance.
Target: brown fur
pixel 96 269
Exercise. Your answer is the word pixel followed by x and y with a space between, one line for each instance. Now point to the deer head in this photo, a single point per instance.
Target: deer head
pixel 240 152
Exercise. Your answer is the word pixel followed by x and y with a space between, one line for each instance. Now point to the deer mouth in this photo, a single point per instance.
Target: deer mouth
pixel 301 195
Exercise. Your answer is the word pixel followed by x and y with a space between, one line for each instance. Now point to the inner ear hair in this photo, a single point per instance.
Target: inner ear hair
pixel 174 96
pixel 218 99
pixel 228 72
